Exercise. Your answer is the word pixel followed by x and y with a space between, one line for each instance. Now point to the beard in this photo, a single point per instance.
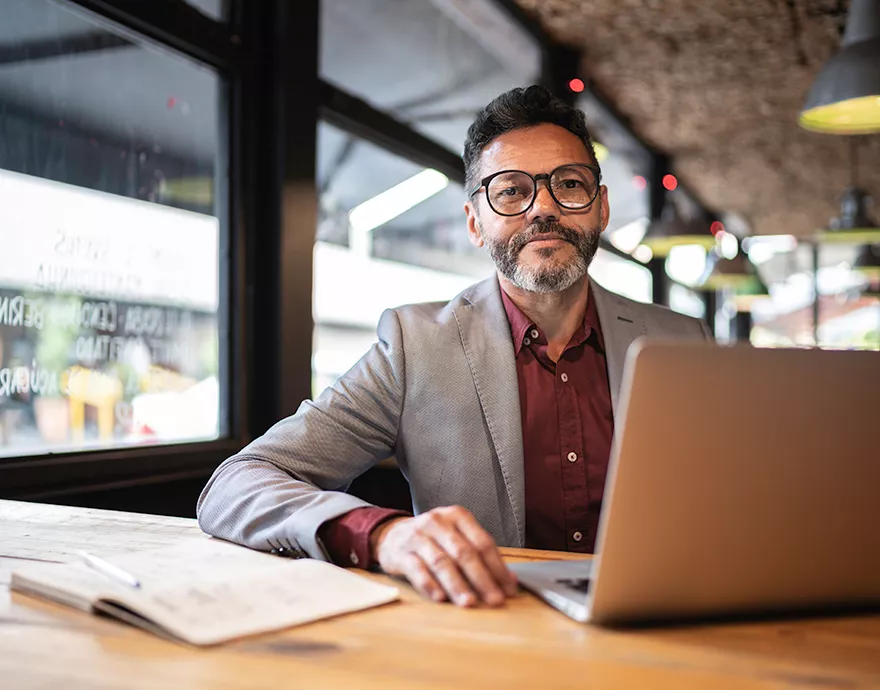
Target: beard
pixel 554 274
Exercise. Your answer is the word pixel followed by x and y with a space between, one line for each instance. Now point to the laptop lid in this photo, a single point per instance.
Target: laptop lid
pixel 741 480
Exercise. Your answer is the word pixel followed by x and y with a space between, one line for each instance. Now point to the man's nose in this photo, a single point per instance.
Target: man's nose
pixel 545 206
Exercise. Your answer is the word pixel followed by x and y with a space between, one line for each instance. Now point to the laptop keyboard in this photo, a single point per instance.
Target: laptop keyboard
pixel 579 584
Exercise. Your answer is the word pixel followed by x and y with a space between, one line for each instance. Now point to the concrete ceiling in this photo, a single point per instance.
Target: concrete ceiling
pixel 718 85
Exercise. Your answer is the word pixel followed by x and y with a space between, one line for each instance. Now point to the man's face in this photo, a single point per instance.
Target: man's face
pixel 548 248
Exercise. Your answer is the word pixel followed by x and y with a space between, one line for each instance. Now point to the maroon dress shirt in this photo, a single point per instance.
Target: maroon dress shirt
pixel 567 426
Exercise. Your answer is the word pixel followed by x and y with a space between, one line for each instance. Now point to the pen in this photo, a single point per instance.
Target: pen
pixel 112 571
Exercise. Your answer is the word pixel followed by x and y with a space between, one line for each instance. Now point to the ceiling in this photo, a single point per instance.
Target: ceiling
pixel 718 84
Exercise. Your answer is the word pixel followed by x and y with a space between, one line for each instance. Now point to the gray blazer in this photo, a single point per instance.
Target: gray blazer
pixel 439 391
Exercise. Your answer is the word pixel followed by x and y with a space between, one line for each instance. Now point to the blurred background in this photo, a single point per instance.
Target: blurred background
pixel 205 206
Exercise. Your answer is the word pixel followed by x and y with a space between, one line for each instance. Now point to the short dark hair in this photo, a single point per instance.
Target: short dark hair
pixel 517 109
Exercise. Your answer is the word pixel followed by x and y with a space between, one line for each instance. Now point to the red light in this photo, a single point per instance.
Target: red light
pixel 172 101
pixel 640 183
pixel 670 182
pixel 576 85
pixel 716 227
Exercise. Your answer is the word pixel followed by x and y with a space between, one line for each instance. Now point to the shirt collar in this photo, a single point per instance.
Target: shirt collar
pixel 520 324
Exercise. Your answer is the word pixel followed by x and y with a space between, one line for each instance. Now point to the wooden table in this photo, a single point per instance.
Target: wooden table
pixel 412 644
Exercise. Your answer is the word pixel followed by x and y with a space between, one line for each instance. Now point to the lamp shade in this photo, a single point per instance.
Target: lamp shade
pixel 671 230
pixel 845 97
pixel 854 225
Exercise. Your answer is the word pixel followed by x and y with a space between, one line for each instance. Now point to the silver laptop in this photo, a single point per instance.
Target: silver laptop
pixel 742 481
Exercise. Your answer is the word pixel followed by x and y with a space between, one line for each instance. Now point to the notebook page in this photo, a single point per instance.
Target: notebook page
pixel 72 584
pixel 210 591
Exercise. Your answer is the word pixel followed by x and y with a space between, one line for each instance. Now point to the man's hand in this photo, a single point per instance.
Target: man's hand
pixel 446 555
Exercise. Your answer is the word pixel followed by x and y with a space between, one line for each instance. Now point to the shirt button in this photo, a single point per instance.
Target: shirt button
pixel 527 342
pixel 577 536
pixel 534 333
pixel 572 457
pixel 564 378
pixel 354 558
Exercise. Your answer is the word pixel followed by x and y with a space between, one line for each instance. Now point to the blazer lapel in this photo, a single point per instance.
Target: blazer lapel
pixel 620 327
pixel 488 346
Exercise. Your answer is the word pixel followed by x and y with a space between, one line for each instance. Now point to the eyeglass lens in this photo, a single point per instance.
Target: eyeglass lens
pixel 573 187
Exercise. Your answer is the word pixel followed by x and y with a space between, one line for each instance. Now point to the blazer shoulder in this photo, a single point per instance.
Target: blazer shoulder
pixel 668 321
pixel 443 312
pixel 661 320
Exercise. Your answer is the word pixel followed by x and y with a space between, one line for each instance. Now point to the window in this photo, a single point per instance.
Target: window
pixel 110 278
pixel 622 276
pixel 213 9
pixel 849 314
pixel 686 301
pixel 627 199
pixel 390 227
pixel 431 64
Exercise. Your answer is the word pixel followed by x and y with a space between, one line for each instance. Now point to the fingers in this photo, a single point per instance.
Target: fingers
pixel 445 570
pixel 445 554
pixel 488 552
pixel 465 555
pixel 421 578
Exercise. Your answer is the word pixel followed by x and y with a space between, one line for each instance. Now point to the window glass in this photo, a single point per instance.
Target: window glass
pixel 625 277
pixel 214 9
pixel 627 199
pixel 686 301
pixel 431 64
pixel 110 274
pixel 389 227
pixel 849 310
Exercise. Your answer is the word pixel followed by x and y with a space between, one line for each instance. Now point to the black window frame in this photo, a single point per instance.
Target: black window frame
pixel 222 46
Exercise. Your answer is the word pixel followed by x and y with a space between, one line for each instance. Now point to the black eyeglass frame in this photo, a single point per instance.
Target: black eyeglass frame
pixel 484 183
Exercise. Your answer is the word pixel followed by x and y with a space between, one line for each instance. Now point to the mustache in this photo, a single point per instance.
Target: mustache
pixel 543 227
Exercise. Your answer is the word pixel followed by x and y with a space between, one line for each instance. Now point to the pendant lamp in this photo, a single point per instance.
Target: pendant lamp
pixel 845 97
pixel 671 230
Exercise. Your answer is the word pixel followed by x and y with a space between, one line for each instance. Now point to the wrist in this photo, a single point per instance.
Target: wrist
pixel 378 535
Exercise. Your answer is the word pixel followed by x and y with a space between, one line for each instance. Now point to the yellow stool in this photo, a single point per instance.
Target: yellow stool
pixel 89 387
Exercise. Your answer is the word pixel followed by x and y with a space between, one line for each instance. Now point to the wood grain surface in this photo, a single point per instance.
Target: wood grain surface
pixel 409 644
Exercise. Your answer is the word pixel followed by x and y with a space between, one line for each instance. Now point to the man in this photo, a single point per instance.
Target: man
pixel 498 405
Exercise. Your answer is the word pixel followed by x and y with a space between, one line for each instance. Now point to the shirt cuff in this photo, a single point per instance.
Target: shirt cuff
pixel 347 538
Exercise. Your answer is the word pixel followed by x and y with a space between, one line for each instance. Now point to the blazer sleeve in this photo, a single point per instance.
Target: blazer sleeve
pixel 280 489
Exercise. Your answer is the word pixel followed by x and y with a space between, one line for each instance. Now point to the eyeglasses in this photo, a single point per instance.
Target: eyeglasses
pixel 511 192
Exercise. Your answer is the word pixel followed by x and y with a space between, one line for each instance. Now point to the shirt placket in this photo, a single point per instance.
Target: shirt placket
pixel 572 460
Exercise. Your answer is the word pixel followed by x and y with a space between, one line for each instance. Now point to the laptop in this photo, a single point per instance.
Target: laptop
pixel 742 481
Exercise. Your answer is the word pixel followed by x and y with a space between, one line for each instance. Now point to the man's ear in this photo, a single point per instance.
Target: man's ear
pixel 475 232
pixel 603 206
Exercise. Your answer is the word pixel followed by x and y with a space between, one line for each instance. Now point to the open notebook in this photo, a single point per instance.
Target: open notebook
pixel 207 592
